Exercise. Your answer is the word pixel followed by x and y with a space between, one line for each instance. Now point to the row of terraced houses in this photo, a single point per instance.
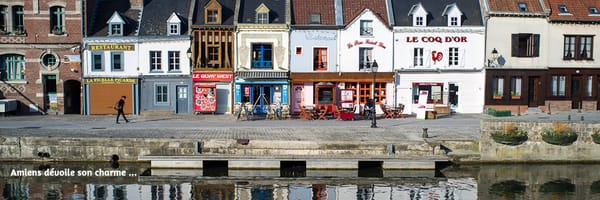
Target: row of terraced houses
pixel 190 56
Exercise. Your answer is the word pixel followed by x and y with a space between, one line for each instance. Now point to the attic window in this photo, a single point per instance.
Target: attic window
pixel 174 25
pixel 262 18
pixel 419 21
pixel 593 10
pixel 523 7
pixel 212 16
pixel 563 9
pixel 366 28
pixel 174 29
pixel 116 29
pixel 315 18
pixel 453 21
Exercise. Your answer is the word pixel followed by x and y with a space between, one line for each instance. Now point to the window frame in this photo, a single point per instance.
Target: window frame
pixel 174 28
pixel 418 57
pixel 366 28
pixel 17 18
pixel 161 93
pixel 115 29
pixel 453 60
pixel 516 86
pixel 526 45
pixel 258 55
pixel 314 18
pixel 4 18
pixel 556 82
pixel 13 67
pixel 94 63
pixel 498 87
pixel 212 16
pixel 121 60
pixel 57 20
pixel 365 58
pixel 419 21
pixel 523 7
pixel 453 21
pixel 320 58
pixel 155 61
pixel 262 18
pixel 174 58
pixel 572 44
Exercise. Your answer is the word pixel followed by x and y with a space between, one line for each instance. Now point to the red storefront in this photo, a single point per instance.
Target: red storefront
pixel 212 92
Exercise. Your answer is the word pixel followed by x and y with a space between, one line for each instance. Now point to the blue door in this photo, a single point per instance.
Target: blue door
pixel 261 98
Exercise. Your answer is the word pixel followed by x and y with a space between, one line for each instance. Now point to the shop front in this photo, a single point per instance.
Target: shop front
pixel 261 89
pixel 212 92
pixel 166 94
pixel 325 89
pixel 101 93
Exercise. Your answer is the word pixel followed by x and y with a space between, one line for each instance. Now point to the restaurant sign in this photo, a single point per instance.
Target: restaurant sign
pixel 113 47
pixel 108 80
pixel 201 76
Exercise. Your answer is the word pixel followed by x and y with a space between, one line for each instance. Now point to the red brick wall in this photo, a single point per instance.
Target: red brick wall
pixel 558 105
pixel 589 105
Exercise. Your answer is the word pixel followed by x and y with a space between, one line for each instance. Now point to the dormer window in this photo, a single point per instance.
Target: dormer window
pixel 262 14
pixel 115 25
pixel 174 25
pixel 315 18
pixel 563 9
pixel 593 10
pixel 366 27
pixel 419 15
pixel 453 21
pixel 523 7
pixel 419 21
pixel 212 12
pixel 454 15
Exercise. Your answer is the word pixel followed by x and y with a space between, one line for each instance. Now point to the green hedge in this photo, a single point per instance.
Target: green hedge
pixel 498 113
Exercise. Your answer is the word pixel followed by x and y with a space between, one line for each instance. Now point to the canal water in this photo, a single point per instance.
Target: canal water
pixel 99 181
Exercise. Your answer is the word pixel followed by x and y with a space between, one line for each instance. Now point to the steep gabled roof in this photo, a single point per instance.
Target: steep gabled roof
pixel 302 9
pixel 511 7
pixel 227 12
pixel 354 8
pixel 578 10
pixel 157 12
pixel 437 9
pixel 104 10
pixel 277 11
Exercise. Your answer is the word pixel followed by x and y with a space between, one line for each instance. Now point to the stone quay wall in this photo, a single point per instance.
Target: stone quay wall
pixel 535 149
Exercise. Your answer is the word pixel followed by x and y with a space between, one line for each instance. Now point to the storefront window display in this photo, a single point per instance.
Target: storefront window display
pixel 435 91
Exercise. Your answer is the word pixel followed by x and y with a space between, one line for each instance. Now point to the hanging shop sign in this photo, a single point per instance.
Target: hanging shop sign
pixel 106 80
pixel 438 39
pixel 111 47
pixel 200 76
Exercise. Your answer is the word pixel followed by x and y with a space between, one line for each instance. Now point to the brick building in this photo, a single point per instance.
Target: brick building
pixel 39 55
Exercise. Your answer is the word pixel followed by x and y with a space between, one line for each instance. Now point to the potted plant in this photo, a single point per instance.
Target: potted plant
pixel 510 135
pixel 497 95
pixel 596 137
pixel 57 30
pixel 515 95
pixel 559 134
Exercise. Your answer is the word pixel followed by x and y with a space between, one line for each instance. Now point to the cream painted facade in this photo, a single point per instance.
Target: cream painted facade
pixel 275 34
pixel 556 33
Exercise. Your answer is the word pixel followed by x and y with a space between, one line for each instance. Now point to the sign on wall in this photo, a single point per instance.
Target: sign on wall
pixel 200 76
pixel 108 80
pixel 111 47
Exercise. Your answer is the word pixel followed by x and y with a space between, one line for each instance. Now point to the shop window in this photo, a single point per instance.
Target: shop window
pixel 557 85
pixel 155 61
pixel 453 56
pixel 379 92
pixel 161 93
pixel 325 95
pixel 57 20
pixel 174 61
pixel 434 92
pixel 320 59
pixel 364 92
pixel 498 87
pixel 117 61
pixel 17 14
pixel 365 56
pixel 515 87
pixel 418 57
pixel 588 86
pixel 262 55
pixel 354 87
pixel 12 68
pixel 578 47
pixel 366 27
pixel 97 64
pixel 525 45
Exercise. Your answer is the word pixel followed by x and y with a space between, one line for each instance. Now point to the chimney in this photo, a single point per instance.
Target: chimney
pixel 136 3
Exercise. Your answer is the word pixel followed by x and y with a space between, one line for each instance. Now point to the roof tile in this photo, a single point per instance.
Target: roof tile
pixel 303 8
pixel 352 8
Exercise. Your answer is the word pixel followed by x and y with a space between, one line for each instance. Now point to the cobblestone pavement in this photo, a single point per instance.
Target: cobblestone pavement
pixel 458 126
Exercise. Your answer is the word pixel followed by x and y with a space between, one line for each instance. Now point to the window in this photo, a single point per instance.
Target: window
pixel 3 18
pixel 12 67
pixel 262 18
pixel 49 60
pixel 515 86
pixel 419 21
pixel 453 56
pixel 57 20
pixel 155 61
pixel 525 45
pixel 262 55
pixel 161 93
pixel 523 7
pixel 173 60
pixel 214 58
pixel 498 87
pixel 117 61
pixel 588 86
pixel 453 21
pixel 578 47
pixel 325 95
pixel 116 29
pixel 18 27
pixel 434 92
pixel 97 61
pixel 298 50
pixel 418 57
pixel 365 56
pixel 557 85
pixel 174 29
pixel 320 59
pixel 212 16
pixel 315 18
pixel 366 28
pixel 593 10
pixel 563 9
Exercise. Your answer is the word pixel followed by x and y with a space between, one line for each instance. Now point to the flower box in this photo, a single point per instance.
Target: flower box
pixel 559 138
pixel 497 97
pixel 510 138
pixel 515 97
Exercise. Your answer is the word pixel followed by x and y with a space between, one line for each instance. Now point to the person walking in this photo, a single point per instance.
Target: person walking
pixel 119 108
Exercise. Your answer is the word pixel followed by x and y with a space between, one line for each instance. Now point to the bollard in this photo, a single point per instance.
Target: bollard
pixel 569 117
pixel 549 111
pixel 581 117
pixel 425 133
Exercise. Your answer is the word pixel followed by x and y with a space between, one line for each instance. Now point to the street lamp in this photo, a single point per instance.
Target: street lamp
pixel 374 70
pixel 189 55
pixel 494 57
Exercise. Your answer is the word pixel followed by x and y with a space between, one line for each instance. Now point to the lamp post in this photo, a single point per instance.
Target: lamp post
pixel 494 57
pixel 189 55
pixel 374 67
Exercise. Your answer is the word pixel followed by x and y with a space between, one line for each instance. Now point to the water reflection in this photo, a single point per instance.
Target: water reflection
pixel 457 183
